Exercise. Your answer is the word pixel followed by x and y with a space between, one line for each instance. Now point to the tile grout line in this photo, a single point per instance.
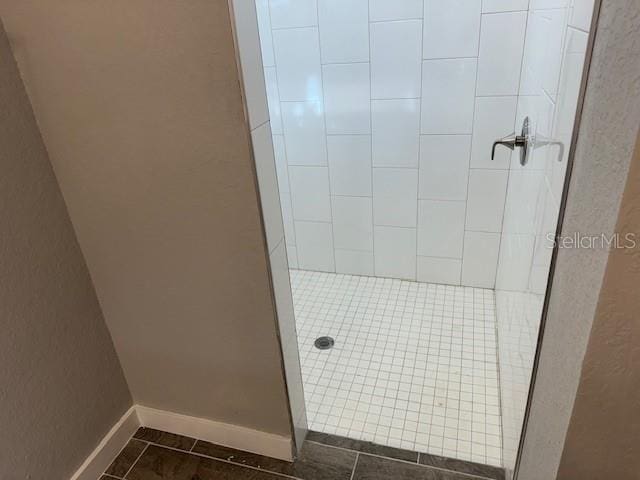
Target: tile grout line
pixel 420 105
pixel 470 158
pixel 325 140
pixel 355 465
pixel 137 458
pixel 370 164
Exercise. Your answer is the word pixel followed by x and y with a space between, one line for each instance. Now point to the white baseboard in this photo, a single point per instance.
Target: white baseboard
pixel 233 436
pixel 109 447
pixel 225 434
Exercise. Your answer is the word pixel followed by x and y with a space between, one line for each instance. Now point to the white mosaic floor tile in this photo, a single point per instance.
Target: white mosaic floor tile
pixel 414 364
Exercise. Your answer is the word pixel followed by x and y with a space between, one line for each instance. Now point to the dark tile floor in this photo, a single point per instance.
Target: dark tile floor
pixel 155 455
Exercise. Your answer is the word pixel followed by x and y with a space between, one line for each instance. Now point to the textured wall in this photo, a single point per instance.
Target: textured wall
pixel 606 141
pixel 61 386
pixel 602 441
pixel 139 104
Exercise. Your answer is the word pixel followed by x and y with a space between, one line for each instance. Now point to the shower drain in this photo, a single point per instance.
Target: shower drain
pixel 324 343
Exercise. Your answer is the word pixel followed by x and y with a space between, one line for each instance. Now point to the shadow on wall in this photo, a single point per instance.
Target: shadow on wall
pixel 59 372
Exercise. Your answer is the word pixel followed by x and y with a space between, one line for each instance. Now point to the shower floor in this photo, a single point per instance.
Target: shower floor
pixel 414 364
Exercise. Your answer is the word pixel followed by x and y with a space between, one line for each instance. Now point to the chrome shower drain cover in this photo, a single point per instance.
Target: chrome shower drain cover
pixel 324 343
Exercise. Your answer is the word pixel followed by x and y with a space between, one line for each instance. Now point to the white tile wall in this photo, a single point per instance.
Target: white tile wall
pixel 314 245
pixel 354 262
pixel 485 205
pixel 494 6
pixel 440 228
pixel 444 167
pixel 448 88
pixel 293 13
pixel 501 47
pixel 537 5
pixel 352 223
pixel 516 254
pixel 556 21
pixel 310 193
pixel 350 164
pixel 396 132
pixel 347 105
pixel 395 252
pixel 581 13
pixel 298 62
pixel 344 32
pixel 396 50
pixel 394 196
pixel 451 28
pixel 439 270
pixel 381 10
pixel 304 133
pixel 397 104
pixel 522 198
pixel 480 258
pixel 532 56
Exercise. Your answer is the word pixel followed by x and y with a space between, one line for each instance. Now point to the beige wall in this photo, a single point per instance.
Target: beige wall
pixel 603 440
pixel 61 386
pixel 139 105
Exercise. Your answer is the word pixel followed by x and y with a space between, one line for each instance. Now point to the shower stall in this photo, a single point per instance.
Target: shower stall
pixel 422 254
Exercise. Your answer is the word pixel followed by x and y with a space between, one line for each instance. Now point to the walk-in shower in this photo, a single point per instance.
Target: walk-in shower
pixel 421 256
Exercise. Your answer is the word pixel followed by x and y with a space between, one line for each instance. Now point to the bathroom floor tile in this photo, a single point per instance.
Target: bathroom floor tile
pixel 158 463
pixel 414 365
pixel 164 438
pixel 315 462
pixel 126 458
pixel 322 457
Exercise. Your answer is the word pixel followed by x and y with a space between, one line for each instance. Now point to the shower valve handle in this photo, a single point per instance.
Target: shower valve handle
pixel 512 141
